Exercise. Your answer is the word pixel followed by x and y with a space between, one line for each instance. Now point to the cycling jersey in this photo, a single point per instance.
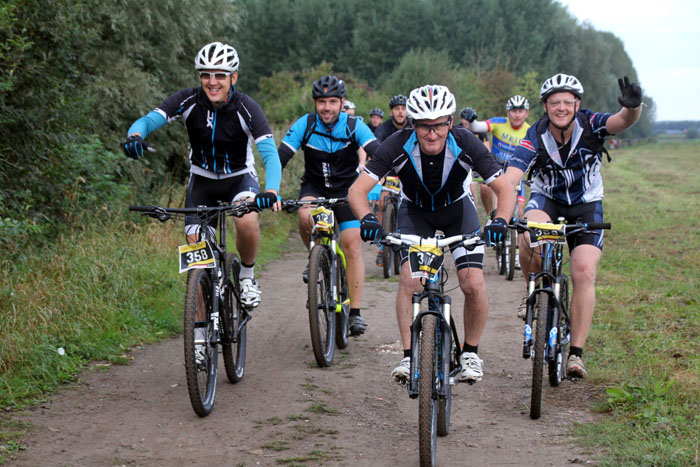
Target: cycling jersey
pixel 505 137
pixel 582 183
pixel 220 138
pixel 330 154
pixel 387 129
pixel 463 151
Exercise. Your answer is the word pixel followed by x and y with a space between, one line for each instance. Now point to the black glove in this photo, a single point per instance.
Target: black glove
pixel 495 231
pixel 134 146
pixel 470 114
pixel 371 229
pixel 265 200
pixel 631 94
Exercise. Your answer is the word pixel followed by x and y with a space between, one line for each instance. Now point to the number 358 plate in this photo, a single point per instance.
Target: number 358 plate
pixel 196 256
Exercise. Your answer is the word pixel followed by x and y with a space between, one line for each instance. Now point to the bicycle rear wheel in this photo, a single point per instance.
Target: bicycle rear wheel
pixel 321 315
pixel 342 318
pixel 538 361
pixel 512 248
pixel 388 225
pixel 501 257
pixel 233 346
pixel 427 399
pixel 557 368
pixel 201 376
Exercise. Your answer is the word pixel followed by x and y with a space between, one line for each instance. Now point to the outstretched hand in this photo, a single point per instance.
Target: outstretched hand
pixel 630 93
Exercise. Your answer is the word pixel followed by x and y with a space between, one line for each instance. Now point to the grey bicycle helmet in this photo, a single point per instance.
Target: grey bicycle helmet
pixel 328 86
pixel 398 99
pixel 377 111
pixel 217 56
pixel 517 102
pixel 559 83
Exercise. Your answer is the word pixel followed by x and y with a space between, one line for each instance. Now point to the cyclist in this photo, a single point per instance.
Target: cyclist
pixel 434 161
pixel 398 120
pixel 375 118
pixel 507 134
pixel 349 108
pixel 330 139
pixel 221 123
pixel 564 151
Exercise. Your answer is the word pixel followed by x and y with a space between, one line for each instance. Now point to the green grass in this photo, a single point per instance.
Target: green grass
pixel 644 349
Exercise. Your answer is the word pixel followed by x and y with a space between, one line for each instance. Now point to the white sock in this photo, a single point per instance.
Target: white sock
pixel 247 272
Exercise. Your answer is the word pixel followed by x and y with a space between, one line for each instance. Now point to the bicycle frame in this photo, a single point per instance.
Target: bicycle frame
pixel 326 236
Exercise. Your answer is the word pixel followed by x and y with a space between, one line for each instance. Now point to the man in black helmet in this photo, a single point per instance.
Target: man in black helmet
pixel 398 120
pixel 330 139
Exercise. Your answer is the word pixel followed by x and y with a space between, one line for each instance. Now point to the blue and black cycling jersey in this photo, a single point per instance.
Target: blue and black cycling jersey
pixel 220 138
pixel 433 188
pixel 330 153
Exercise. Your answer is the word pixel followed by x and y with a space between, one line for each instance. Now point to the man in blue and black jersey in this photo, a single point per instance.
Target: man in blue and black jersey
pixel 434 161
pixel 564 153
pixel 398 120
pixel 330 140
pixel 222 123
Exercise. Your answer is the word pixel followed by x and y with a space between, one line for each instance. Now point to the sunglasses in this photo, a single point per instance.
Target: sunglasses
pixel 205 75
pixel 438 128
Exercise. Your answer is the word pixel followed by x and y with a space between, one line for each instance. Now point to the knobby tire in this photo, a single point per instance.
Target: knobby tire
pixel 201 379
pixel 321 316
pixel 342 319
pixel 510 273
pixel 538 362
pixel 234 352
pixel 427 405
pixel 388 225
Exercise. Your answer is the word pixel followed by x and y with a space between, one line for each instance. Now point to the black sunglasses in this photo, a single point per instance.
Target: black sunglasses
pixel 436 127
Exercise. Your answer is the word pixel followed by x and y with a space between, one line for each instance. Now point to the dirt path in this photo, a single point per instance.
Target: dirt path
pixel 287 411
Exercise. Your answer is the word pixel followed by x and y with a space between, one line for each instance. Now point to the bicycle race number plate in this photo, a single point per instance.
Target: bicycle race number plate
pixel 196 256
pixel 393 185
pixel 547 233
pixel 425 261
pixel 323 219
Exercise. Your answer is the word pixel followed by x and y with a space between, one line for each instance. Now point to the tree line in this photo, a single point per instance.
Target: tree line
pixel 75 74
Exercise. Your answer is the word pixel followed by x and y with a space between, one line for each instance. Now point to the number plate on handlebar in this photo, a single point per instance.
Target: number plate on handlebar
pixel 196 256
pixel 392 185
pixel 425 261
pixel 547 233
pixel 323 219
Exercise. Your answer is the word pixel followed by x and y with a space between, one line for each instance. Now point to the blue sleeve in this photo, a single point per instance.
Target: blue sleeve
pixel 363 134
pixel 295 134
pixel 526 153
pixel 273 167
pixel 147 124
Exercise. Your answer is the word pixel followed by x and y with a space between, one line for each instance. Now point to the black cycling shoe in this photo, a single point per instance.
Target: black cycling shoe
pixel 357 325
pixel 305 275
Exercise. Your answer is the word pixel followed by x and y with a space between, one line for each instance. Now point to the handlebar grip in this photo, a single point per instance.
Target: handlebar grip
pixel 599 226
pixel 141 208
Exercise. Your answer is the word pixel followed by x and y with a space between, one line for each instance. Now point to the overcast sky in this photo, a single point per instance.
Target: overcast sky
pixel 663 40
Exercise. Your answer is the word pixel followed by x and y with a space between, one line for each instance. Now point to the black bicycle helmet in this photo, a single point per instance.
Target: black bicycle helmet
pixel 328 86
pixel 398 99
pixel 377 111
pixel 469 114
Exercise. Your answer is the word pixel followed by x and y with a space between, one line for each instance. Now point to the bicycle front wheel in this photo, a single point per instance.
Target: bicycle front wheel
pixel 427 394
pixel 342 317
pixel 557 368
pixel 501 257
pixel 233 346
pixel 389 225
pixel 321 314
pixel 201 356
pixel 512 248
pixel 538 361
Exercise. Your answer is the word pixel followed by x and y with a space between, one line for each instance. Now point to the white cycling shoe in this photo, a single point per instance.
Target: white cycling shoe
pixel 403 371
pixel 472 367
pixel 250 292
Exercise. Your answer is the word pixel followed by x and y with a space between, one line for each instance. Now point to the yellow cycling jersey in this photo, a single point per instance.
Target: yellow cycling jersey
pixel 505 137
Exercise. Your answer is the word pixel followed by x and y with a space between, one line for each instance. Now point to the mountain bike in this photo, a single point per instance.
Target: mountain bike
pixel 548 303
pixel 214 315
pixel 435 345
pixel 506 249
pixel 328 297
pixel 391 262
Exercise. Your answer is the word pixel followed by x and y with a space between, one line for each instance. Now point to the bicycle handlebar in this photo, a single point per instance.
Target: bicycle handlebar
pixel 292 205
pixel 467 240
pixel 523 225
pixel 237 209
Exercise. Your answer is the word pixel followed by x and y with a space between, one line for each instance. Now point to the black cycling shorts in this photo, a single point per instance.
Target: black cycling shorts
pixel 203 191
pixel 457 218
pixel 585 212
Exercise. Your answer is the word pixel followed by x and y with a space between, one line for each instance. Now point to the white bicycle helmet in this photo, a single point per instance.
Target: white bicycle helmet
pixel 517 102
pixel 430 102
pixel 348 105
pixel 217 56
pixel 561 82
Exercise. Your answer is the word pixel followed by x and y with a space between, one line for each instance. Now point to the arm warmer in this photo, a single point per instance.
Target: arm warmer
pixel 147 124
pixel 273 167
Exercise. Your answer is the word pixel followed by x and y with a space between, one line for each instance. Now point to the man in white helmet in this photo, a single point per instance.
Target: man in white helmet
pixel 563 152
pixel 222 123
pixel 434 161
